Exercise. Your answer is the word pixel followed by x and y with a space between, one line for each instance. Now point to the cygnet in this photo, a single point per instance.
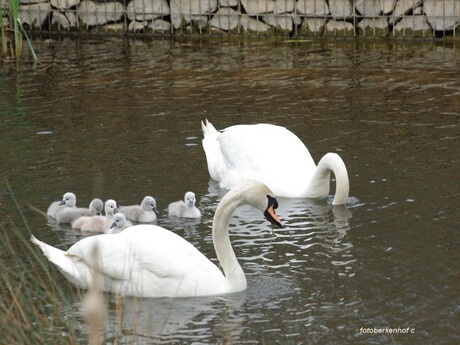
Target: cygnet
pixel 97 223
pixel 185 208
pixel 143 213
pixel 68 200
pixel 69 214
pixel 119 223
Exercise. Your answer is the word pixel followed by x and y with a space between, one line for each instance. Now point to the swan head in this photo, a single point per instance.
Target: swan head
pixel 69 199
pixel 110 207
pixel 149 204
pixel 260 196
pixel 189 199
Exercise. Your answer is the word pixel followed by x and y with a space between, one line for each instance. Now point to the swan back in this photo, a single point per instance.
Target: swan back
pixel 264 152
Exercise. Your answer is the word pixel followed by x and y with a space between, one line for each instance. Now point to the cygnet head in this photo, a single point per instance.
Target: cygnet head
pixel 189 199
pixel 110 207
pixel 119 221
pixel 149 204
pixel 69 200
pixel 96 206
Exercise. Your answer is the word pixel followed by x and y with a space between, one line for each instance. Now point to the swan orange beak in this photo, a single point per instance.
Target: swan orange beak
pixel 273 217
pixel 270 213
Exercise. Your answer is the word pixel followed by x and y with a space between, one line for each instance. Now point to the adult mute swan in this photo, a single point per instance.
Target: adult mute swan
pixel 143 213
pixel 69 214
pixel 68 200
pixel 149 261
pixel 184 208
pixel 275 156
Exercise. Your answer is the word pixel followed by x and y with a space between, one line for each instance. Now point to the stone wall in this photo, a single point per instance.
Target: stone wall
pixel 300 18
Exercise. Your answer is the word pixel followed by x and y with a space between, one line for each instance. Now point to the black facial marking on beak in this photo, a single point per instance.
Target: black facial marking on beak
pixel 270 212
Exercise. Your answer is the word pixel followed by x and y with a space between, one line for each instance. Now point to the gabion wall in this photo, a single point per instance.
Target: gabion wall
pixel 299 18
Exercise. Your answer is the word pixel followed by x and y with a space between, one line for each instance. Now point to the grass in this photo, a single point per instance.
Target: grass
pixel 39 306
pixel 14 30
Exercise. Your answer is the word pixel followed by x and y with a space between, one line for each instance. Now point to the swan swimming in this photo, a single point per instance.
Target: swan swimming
pixel 184 208
pixel 97 223
pixel 143 213
pixel 149 261
pixel 275 156
pixel 68 200
pixel 69 214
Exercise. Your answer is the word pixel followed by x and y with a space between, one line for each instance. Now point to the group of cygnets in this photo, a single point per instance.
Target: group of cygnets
pixel 116 219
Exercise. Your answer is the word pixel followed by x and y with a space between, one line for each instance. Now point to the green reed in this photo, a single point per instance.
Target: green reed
pixel 16 30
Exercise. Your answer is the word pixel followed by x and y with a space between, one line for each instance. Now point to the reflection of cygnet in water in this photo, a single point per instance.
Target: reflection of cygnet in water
pixel 119 223
pixel 143 213
pixel 185 208
pixel 69 214
pixel 68 200
pixel 97 223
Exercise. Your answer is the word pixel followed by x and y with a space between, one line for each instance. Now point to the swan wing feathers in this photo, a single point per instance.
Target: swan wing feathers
pixel 147 260
pixel 264 152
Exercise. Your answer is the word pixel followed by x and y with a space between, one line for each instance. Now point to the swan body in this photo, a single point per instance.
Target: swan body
pixel 119 223
pixel 185 208
pixel 149 261
pixel 97 223
pixel 275 156
pixel 69 200
pixel 69 214
pixel 143 213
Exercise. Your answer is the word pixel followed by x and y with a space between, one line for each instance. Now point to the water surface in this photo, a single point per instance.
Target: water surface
pixel 121 119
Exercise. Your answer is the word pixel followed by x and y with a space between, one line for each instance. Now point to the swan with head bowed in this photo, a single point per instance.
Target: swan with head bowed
pixel 149 261
pixel 275 156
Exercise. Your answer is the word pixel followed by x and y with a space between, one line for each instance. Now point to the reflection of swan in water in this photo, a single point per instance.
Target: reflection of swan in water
pixel 162 318
pixel 143 320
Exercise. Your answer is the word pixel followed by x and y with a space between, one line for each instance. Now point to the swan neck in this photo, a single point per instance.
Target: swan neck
pixel 222 245
pixel 321 178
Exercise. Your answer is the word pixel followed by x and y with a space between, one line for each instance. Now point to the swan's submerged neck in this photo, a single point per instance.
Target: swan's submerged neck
pixel 224 251
pixel 320 182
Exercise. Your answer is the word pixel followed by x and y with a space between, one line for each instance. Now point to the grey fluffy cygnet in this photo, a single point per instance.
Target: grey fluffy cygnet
pixel 68 200
pixel 97 223
pixel 143 213
pixel 185 208
pixel 119 223
pixel 69 214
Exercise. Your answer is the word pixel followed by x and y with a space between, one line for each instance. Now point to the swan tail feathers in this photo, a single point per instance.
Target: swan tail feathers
pixel 66 263
pixel 208 129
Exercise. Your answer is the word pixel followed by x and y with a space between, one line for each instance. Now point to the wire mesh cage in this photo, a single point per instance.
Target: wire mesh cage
pixel 292 18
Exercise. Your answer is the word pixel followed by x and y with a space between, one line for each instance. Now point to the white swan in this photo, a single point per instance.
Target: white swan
pixel 143 213
pixel 69 214
pixel 149 261
pixel 185 208
pixel 275 156
pixel 118 223
pixel 68 200
pixel 97 223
